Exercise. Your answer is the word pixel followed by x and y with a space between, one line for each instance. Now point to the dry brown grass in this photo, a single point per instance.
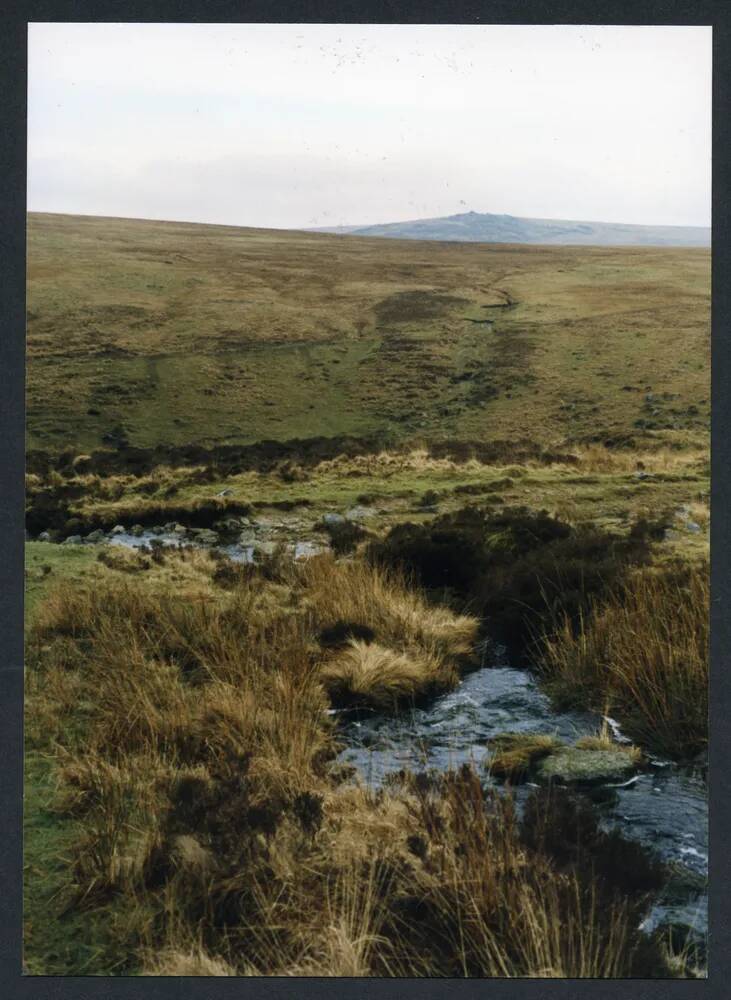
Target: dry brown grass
pixel 192 752
pixel 376 675
pixel 384 600
pixel 644 653
pixel 599 458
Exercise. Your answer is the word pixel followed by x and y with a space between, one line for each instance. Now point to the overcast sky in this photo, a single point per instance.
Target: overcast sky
pixel 307 125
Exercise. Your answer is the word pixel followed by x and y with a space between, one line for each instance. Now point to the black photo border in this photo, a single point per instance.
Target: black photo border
pixel 13 79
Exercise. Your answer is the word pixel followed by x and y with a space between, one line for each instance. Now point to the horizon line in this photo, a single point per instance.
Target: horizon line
pixel 367 225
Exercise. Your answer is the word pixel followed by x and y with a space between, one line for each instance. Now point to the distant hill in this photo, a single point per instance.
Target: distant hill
pixel 484 227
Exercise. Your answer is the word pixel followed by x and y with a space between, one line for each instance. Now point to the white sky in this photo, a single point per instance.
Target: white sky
pixel 306 125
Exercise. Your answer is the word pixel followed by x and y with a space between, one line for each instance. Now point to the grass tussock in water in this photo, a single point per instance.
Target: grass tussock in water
pixel 188 730
pixel 375 675
pixel 515 753
pixel 643 651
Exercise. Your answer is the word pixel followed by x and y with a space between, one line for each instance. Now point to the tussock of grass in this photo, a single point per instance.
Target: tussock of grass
pixel 374 675
pixel 515 753
pixel 644 652
pixel 381 599
pixel 603 742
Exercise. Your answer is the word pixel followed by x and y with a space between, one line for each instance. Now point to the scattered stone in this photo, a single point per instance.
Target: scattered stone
pixel 247 538
pixel 119 529
pixel 179 529
pixel 44 537
pixel 265 548
pixel 692 526
pixel 73 540
pixel 331 518
pixel 358 513
pixel 225 493
pixel 137 531
pixel 95 536
pixel 570 765
pixel 157 529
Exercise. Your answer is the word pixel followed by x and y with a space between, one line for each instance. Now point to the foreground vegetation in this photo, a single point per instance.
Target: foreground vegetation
pixel 644 651
pixel 190 733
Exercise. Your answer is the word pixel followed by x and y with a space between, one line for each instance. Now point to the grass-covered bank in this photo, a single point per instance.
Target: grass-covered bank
pixel 183 713
pixel 642 651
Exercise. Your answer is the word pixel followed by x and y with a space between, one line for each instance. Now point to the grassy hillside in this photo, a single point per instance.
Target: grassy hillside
pixel 172 333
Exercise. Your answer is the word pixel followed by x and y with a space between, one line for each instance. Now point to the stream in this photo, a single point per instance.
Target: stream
pixel 665 807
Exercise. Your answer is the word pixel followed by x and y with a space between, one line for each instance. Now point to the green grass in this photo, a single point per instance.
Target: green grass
pixel 45 563
pixel 179 333
pixel 76 940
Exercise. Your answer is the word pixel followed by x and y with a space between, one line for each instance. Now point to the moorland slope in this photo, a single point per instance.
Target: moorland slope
pixel 172 333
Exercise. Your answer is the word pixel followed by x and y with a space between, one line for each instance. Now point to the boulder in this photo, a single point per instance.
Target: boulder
pixel 44 537
pixel 73 540
pixel 331 518
pixel 179 529
pixel 96 536
pixel 137 530
pixel 119 529
pixel 570 766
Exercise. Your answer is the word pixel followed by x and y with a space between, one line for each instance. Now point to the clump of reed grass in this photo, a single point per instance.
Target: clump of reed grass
pixel 383 600
pixel 643 651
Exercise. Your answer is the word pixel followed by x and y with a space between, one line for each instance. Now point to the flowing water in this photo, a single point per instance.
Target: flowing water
pixel 664 807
